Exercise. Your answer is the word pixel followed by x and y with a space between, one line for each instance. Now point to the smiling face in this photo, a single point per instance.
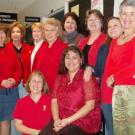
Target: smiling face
pixel 72 61
pixel 127 17
pixel 93 23
pixel 114 28
pixel 51 33
pixel 37 34
pixel 16 34
pixel 70 25
pixel 36 84
pixel 2 37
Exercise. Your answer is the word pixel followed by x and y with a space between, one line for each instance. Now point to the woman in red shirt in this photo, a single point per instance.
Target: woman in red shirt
pixel 10 76
pixel 75 102
pixel 33 112
pixel 120 68
pixel 22 50
pixel 54 49
pixel 91 44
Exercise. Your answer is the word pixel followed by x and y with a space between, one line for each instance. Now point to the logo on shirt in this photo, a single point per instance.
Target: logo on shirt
pixel 44 107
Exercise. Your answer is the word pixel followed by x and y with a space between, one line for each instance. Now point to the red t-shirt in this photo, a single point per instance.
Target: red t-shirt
pixel 92 54
pixel 34 115
pixel 121 64
pixel 71 97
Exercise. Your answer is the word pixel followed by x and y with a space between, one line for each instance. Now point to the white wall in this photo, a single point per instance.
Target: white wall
pixel 41 8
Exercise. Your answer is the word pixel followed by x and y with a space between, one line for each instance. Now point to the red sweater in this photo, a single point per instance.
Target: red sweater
pixel 92 54
pixel 121 64
pixel 25 59
pixel 10 66
pixel 50 61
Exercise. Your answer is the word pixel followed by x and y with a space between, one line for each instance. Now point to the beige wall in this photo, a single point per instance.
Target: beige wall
pixel 40 8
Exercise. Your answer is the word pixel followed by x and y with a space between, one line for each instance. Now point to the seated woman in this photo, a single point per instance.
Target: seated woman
pixel 33 112
pixel 75 102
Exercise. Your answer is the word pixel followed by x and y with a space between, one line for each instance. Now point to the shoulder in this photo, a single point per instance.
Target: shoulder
pixel 23 100
pixel 83 42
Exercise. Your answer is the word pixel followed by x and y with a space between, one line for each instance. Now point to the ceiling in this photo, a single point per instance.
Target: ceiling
pixel 14 6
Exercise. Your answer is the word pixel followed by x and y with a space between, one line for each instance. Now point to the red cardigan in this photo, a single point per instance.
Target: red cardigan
pixel 25 59
pixel 10 66
pixel 121 64
pixel 50 60
pixel 92 54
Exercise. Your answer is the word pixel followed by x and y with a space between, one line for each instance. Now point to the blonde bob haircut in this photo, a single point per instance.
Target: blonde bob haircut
pixel 39 26
pixel 18 25
pixel 45 88
pixel 54 22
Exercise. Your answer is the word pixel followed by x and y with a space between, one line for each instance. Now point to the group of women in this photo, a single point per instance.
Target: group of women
pixel 63 83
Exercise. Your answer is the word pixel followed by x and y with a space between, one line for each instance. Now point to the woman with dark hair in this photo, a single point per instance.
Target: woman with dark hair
pixel 10 76
pixel 33 111
pixel 75 102
pixel 71 25
pixel 91 44
pixel 114 30
pixel 119 71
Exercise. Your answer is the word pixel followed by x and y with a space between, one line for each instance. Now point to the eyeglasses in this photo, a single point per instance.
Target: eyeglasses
pixel 124 14
pixel 93 20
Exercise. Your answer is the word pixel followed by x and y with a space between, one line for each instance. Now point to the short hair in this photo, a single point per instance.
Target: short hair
pixel 97 13
pixel 127 3
pixel 39 26
pixel 74 17
pixel 45 88
pixel 18 25
pixel 5 30
pixel 54 22
pixel 73 48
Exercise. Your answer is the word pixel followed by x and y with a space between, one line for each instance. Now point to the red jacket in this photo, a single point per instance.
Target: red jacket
pixel 92 54
pixel 25 59
pixel 50 59
pixel 10 66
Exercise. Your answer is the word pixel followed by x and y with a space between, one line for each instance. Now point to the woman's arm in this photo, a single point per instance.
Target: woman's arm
pixel 55 111
pixel 24 129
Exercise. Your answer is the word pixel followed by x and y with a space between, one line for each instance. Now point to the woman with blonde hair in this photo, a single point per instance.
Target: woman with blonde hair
pixel 54 49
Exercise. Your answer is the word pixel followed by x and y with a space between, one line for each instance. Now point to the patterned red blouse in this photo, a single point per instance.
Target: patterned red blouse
pixel 71 97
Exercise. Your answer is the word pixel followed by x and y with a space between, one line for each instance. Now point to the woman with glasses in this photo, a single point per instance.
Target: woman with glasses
pixel 91 44
pixel 120 70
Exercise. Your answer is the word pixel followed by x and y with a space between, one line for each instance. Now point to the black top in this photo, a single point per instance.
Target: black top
pixel 85 54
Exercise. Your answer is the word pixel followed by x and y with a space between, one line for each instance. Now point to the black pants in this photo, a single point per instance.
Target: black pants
pixel 68 130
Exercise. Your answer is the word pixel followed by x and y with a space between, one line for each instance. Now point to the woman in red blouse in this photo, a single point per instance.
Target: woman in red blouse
pixel 75 102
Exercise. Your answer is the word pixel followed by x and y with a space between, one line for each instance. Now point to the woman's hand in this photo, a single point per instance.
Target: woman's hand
pixel 110 81
pixel 57 125
pixel 87 73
